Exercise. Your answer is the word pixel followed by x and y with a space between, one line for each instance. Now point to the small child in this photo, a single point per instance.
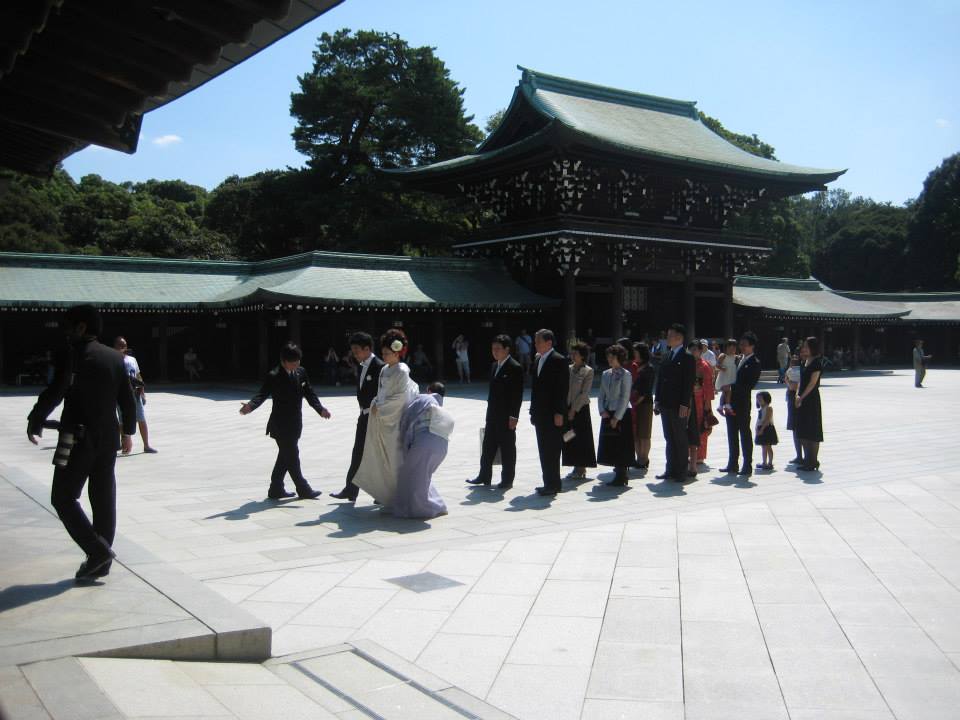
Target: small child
pixel 766 432
pixel 726 376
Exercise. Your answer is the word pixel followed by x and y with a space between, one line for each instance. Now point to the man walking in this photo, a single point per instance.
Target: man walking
pixel 548 404
pixel 503 409
pixel 919 363
pixel 368 382
pixel 739 432
pixel 673 398
pixel 92 383
pixel 288 385
pixel 783 359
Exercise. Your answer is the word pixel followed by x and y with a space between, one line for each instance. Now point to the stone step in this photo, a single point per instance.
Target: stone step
pixel 345 681
pixel 365 678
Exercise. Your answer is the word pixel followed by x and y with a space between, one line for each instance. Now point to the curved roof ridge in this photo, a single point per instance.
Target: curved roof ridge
pixel 542 81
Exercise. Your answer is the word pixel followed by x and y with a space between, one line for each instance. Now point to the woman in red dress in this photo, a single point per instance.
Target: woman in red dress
pixel 703 394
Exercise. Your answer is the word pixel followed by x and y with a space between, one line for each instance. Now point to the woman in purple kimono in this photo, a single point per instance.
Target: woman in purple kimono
pixel 424 432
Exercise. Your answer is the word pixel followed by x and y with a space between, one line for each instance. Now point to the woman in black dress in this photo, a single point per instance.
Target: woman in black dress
pixel 578 451
pixel 808 419
pixel 642 399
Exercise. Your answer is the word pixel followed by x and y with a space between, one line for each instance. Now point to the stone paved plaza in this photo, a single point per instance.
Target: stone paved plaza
pixel 832 596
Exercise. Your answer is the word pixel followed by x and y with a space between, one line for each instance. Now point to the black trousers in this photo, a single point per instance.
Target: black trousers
pixel 498 436
pixel 739 433
pixel 675 435
pixel 88 463
pixel 288 461
pixel 358 441
pixel 550 445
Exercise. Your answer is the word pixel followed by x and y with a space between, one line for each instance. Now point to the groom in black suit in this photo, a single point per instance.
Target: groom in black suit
pixel 289 386
pixel 673 399
pixel 548 407
pixel 503 410
pixel 738 422
pixel 368 382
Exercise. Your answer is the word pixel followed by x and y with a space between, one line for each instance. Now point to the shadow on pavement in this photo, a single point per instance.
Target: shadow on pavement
pixel 352 521
pixel 19 595
pixel 666 488
pixel 254 506
pixel 731 480
pixel 605 493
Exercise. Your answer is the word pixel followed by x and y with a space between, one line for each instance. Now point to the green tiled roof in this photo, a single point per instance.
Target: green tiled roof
pixel 641 126
pixel 318 278
pixel 923 307
pixel 808 299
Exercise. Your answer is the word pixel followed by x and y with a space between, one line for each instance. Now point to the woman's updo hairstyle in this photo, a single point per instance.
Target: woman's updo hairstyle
pixel 395 340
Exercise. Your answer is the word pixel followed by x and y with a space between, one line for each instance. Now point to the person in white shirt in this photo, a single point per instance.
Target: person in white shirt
pixel 707 354
pixel 132 367
pixel 783 359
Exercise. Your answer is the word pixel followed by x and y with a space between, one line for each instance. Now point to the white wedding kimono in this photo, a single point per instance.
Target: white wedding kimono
pixel 382 454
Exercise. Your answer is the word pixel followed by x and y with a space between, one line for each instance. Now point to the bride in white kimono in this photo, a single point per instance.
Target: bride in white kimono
pixel 382 453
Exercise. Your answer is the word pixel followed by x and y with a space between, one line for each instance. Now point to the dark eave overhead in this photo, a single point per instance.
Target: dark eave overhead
pixel 644 129
pixel 82 72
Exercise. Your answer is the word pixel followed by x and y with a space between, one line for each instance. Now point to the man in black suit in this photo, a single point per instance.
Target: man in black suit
pixel 92 382
pixel 503 410
pixel 673 398
pixel 548 407
pixel 738 421
pixel 288 385
pixel 368 383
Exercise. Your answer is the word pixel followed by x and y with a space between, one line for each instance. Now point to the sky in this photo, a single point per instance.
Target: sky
pixel 871 86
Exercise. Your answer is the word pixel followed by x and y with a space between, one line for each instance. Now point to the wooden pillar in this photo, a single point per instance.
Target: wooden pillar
pixel 949 351
pixel 569 308
pixel 438 345
pixel 616 327
pixel 856 347
pixel 690 306
pixel 294 324
pixel 728 308
pixel 163 361
pixel 263 338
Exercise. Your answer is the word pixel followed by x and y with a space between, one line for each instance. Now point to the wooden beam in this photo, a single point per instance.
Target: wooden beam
pixel 122 18
pixel 209 16
pixel 41 115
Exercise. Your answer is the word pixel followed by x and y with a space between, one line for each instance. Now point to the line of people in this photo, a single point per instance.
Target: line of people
pixel 402 435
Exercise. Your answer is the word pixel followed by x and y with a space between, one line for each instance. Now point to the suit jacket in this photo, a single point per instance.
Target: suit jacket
pixel 368 385
pixel 286 416
pixel 506 392
pixel 91 381
pixel 548 394
pixel 748 375
pixel 675 381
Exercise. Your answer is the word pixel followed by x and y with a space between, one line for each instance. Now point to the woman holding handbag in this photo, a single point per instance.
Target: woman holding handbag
pixel 615 447
pixel 578 439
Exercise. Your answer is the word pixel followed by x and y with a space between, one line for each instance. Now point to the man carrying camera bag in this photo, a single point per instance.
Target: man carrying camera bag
pixel 91 381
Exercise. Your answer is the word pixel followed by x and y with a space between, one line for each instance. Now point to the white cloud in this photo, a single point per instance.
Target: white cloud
pixel 167 140
pixel 941 122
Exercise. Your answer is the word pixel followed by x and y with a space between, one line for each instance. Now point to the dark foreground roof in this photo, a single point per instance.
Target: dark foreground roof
pixel 810 299
pixel 548 111
pixel 82 72
pixel 317 279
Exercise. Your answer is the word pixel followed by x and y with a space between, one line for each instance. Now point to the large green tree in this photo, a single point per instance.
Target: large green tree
pixel 865 247
pixel 933 242
pixel 373 101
